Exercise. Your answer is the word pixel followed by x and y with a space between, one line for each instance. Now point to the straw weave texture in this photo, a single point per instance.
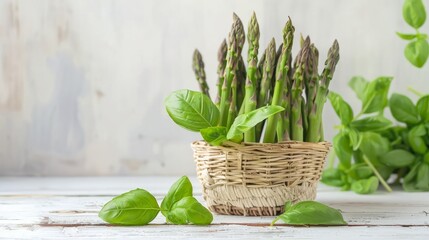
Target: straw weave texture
pixel 256 179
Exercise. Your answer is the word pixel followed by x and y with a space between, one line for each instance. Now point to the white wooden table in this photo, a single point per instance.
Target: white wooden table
pixel 66 208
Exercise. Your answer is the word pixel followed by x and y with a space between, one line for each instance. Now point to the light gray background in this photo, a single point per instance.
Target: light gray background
pixel 82 82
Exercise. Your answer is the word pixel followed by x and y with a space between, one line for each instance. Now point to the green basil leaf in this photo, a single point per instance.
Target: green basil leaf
pixel 423 108
pixel 343 109
pixel 244 122
pixel 136 207
pixel 375 97
pixel 343 149
pixel 397 158
pixel 374 145
pixel 215 136
pixel 422 181
pixel 189 210
pixel 355 138
pixel 406 36
pixel 426 158
pixel 403 109
pixel 417 144
pixel 365 186
pixel 311 213
pixel 414 13
pixel 333 177
pixel 180 189
pixel 360 171
pixel 374 123
pixel 417 131
pixel 409 181
pixel 359 85
pixel 417 52
pixel 192 110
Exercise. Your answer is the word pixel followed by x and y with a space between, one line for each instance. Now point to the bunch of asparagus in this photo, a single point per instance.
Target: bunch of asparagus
pixel 271 80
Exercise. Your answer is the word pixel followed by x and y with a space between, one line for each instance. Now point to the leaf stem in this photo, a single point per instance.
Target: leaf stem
pixel 419 94
pixel 275 220
pixel 385 185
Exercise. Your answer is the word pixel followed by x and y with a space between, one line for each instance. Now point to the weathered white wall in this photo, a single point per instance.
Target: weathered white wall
pixel 82 82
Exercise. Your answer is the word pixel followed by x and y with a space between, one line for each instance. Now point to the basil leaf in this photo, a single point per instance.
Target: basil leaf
pixel 374 145
pixel 189 210
pixel 343 109
pixel 423 108
pixel 417 52
pixel 215 136
pixel 359 85
pixel 360 171
pixel 409 181
pixel 136 207
pixel 244 122
pixel 180 189
pixel 414 13
pixel 310 213
pixel 375 97
pixel 365 186
pixel 333 177
pixel 422 181
pixel 417 131
pixel 403 109
pixel 343 149
pixel 355 138
pixel 375 123
pixel 192 110
pixel 397 158
pixel 406 36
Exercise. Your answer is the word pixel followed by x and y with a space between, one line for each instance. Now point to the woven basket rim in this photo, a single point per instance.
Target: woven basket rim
pixel 324 144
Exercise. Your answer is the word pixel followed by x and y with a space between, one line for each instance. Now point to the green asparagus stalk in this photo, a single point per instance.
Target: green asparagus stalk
pixel 279 88
pixel 252 71
pixel 297 127
pixel 259 73
pixel 236 41
pixel 241 84
pixel 311 81
pixel 232 113
pixel 315 117
pixel 200 74
pixel 264 88
pixel 221 57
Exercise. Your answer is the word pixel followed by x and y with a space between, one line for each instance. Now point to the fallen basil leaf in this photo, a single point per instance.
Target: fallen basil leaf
pixel 180 189
pixel 215 136
pixel 189 210
pixel 192 110
pixel 310 213
pixel 365 186
pixel 244 122
pixel 136 207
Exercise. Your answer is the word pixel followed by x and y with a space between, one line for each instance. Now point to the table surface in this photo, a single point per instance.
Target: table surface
pixel 66 208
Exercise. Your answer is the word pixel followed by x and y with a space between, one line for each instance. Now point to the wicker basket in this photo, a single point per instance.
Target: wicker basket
pixel 256 179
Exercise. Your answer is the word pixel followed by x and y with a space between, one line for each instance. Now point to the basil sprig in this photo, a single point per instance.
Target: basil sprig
pixel 139 207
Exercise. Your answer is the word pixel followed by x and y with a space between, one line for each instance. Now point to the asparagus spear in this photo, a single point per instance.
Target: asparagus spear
pixel 241 84
pixel 252 71
pixel 200 74
pixel 297 129
pixel 315 117
pixel 279 88
pixel 236 41
pixel 267 73
pixel 221 57
pixel 232 112
pixel 259 72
